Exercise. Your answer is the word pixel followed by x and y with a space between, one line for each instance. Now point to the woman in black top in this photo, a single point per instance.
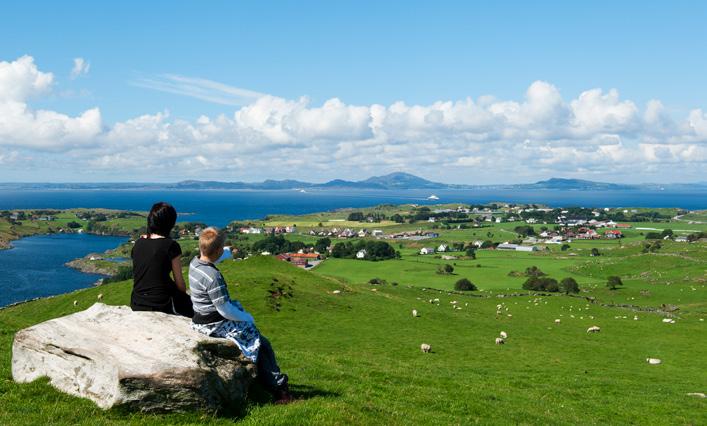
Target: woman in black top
pixel 155 255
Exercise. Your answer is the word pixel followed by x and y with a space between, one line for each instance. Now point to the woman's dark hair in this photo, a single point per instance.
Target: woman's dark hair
pixel 161 219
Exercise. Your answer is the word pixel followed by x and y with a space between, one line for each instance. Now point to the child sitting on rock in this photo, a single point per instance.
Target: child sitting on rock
pixel 216 315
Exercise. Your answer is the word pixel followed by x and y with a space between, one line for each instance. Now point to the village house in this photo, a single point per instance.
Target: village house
pixel 377 233
pixel 427 250
pixel 299 259
pixel 613 234
pixel 361 254
pixel 442 248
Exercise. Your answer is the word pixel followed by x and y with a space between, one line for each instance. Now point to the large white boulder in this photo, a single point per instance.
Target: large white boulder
pixel 146 361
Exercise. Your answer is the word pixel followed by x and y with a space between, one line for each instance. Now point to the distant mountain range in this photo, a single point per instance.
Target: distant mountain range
pixel 391 181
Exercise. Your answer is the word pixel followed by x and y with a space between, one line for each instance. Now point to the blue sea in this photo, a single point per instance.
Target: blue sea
pixel 35 267
pixel 215 207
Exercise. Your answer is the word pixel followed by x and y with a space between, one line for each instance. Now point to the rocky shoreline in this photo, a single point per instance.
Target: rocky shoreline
pixel 88 266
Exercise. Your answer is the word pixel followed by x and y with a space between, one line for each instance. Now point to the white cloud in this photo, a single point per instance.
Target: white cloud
pixel 21 126
pixel 81 67
pixel 595 135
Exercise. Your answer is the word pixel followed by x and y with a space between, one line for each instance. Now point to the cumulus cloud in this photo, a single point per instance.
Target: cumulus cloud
pixel 81 67
pixel 21 126
pixel 596 134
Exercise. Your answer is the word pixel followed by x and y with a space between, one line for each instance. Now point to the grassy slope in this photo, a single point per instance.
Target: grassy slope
pixel 355 358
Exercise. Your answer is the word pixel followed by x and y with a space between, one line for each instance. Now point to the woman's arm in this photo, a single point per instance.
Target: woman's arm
pixel 177 273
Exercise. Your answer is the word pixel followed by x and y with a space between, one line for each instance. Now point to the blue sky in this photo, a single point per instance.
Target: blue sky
pixel 363 54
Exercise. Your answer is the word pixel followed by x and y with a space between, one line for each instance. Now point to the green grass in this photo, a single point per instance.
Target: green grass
pixel 354 358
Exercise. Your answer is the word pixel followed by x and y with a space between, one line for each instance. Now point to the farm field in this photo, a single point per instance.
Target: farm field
pixel 354 357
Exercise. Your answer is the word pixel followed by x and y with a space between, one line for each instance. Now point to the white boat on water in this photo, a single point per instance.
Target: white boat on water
pixel 433 197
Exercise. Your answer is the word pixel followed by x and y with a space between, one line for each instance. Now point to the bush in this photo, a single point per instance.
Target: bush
pixel 541 284
pixel 322 244
pixel 569 285
pixel 445 269
pixel 613 282
pixel 124 273
pixel 73 225
pixel 356 217
pixel 377 281
pixel 534 271
pixel 375 250
pixel 464 285
pixel 595 252
pixel 565 247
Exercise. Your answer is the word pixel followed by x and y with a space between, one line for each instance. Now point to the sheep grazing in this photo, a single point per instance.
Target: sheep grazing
pixel 414 312
pixel 557 321
pixel 669 320
pixel 76 303
pixel 500 341
pixel 100 296
pixel 425 348
pixel 503 335
pixel 593 329
pixel 653 361
pixel 336 291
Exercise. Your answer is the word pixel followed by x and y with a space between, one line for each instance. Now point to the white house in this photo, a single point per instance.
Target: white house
pixel 427 250
pixel 442 247
pixel 506 246
pixel 361 254
pixel 681 239
pixel 431 219
pixel 377 233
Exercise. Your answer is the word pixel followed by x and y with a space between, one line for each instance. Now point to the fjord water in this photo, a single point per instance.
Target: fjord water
pixel 218 207
pixel 34 267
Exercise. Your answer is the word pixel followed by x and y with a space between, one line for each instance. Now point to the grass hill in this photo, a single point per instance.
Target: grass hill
pixel 354 357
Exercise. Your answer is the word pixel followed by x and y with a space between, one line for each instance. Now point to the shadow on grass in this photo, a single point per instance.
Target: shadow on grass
pixel 257 397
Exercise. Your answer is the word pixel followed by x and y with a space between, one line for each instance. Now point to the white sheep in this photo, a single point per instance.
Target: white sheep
pixel 414 312
pixel 653 361
pixel 76 303
pixel 503 335
pixel 669 320
pixel 100 296
pixel 557 321
pixel 500 341
pixel 425 348
pixel 336 291
pixel 593 329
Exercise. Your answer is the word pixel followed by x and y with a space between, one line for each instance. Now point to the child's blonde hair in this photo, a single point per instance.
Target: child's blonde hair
pixel 211 241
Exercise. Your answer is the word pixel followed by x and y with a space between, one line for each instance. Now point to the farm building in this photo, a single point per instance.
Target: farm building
pixel 516 247
pixel 427 250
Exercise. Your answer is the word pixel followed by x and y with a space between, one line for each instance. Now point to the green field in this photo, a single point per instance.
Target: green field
pixel 354 357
